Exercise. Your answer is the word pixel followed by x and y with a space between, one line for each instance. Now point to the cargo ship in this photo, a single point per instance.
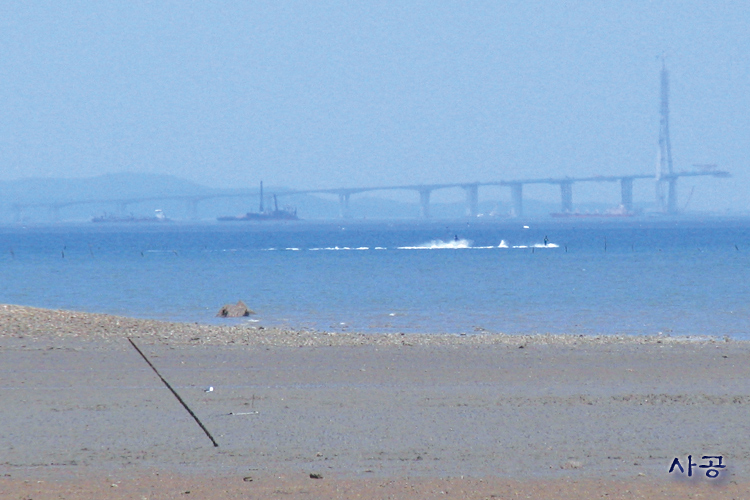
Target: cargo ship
pixel 264 215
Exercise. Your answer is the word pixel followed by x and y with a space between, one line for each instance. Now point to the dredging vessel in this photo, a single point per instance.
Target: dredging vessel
pixel 264 215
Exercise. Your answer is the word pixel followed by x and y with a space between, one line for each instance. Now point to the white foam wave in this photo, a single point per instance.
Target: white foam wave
pixel 431 245
pixel 440 245
pixel 336 248
pixel 536 245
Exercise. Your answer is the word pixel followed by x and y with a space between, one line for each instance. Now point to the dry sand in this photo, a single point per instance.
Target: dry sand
pixel 377 416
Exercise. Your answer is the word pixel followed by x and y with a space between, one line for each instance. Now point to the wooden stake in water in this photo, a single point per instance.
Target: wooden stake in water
pixel 175 393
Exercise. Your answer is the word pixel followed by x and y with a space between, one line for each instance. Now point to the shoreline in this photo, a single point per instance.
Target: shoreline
pixel 38 323
pixel 400 416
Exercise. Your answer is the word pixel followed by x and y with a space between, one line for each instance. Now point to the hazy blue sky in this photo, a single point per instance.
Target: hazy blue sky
pixel 329 94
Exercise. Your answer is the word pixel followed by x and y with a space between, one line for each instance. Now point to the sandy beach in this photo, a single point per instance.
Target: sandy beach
pixel 310 414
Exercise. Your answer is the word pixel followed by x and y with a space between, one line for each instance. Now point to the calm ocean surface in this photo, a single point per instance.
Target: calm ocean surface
pixel 624 277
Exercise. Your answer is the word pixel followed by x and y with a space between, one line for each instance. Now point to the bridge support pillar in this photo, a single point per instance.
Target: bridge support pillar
pixel 566 194
pixel 344 205
pixel 472 200
pixel 672 196
pixel 660 205
pixel 626 190
pixel 424 202
pixel 192 209
pixel 516 194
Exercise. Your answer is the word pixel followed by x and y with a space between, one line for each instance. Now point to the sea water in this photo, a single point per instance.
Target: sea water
pixel 640 276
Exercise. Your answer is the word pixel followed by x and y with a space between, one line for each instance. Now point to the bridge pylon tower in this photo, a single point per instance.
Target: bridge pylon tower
pixel 664 170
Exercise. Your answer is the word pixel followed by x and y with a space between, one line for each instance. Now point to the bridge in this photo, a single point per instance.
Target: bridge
pixel 424 190
pixel 516 187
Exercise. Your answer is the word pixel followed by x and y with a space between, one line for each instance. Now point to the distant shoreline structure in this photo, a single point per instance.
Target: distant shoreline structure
pixel 110 218
pixel 620 211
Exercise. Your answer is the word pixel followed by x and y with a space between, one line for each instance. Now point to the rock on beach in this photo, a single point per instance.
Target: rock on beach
pixel 237 310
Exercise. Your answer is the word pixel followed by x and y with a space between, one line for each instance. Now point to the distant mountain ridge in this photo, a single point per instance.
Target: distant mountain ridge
pixel 105 187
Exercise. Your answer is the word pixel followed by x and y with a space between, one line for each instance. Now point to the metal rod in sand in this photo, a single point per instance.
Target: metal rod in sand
pixel 175 393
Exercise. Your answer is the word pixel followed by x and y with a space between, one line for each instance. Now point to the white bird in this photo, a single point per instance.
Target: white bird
pixel 210 389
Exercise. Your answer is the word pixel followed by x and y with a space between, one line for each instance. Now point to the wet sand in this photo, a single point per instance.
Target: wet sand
pixel 377 416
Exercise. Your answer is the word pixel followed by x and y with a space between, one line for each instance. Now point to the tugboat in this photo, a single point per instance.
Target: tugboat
pixel 263 215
